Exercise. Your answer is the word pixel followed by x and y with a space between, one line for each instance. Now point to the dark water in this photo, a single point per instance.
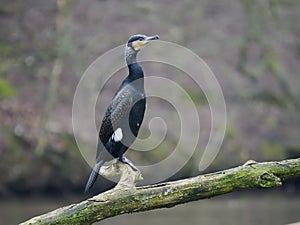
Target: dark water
pixel 263 208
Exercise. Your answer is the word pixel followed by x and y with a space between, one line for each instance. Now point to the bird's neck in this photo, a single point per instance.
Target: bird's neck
pixel 135 70
pixel 135 77
pixel 130 55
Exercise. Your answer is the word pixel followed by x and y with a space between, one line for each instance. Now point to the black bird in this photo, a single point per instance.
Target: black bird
pixel 125 113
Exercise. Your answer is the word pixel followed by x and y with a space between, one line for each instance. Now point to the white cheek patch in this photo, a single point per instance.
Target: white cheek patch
pixel 135 46
pixel 117 135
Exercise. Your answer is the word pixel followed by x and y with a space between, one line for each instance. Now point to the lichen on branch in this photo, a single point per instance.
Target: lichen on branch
pixel 128 200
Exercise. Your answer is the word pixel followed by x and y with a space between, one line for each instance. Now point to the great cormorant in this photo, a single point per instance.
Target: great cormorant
pixel 125 113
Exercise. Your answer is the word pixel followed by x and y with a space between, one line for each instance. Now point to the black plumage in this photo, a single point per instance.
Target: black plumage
pixel 124 115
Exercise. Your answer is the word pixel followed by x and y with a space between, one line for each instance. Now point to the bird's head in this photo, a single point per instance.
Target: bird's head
pixel 137 42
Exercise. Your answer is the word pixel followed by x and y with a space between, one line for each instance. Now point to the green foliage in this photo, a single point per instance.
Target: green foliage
pixel 271 99
pixel 70 158
pixel 293 151
pixel 272 150
pixel 197 98
pixel 7 50
pixel 7 90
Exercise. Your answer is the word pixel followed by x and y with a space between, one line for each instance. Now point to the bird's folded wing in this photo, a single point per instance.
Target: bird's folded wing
pixel 117 115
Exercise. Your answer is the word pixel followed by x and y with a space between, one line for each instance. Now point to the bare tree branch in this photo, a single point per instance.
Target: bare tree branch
pixel 120 201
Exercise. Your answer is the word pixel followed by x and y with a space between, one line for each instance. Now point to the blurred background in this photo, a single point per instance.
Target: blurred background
pixel 253 48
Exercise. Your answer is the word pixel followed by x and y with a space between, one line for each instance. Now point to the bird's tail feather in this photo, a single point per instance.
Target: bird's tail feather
pixel 93 177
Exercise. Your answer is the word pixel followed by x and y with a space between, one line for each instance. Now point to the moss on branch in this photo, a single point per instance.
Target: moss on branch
pixel 120 201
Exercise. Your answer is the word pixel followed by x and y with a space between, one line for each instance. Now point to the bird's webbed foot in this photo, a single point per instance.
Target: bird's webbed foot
pixel 130 174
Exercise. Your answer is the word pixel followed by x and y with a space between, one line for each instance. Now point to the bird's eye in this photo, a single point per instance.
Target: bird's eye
pixel 140 39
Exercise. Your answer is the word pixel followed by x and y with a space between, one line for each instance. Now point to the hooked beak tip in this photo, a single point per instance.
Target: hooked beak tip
pixel 155 37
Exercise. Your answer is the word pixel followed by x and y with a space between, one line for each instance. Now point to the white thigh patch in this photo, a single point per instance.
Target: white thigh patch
pixel 117 135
